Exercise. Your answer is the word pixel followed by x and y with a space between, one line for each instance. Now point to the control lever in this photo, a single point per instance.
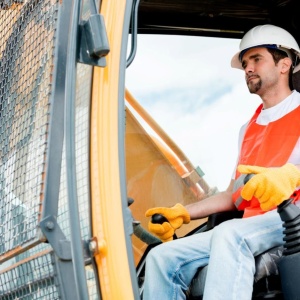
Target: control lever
pixel 139 231
pixel 159 219
pixel 248 177
pixel 289 263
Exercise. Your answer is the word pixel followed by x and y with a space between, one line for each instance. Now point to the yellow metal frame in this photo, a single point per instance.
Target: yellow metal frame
pixel 170 150
pixel 107 218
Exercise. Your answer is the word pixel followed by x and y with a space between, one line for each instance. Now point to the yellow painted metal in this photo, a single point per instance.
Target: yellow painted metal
pixel 107 219
pixel 169 149
pixel 156 171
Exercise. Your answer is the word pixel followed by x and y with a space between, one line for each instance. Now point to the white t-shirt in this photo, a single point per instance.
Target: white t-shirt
pixel 272 114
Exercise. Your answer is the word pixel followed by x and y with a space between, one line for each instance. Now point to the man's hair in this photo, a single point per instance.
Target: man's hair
pixel 277 56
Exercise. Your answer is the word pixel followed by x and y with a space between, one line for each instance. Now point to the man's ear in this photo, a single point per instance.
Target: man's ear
pixel 286 64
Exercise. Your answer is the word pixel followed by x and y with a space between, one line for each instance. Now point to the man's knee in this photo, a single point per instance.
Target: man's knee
pixel 158 255
pixel 227 231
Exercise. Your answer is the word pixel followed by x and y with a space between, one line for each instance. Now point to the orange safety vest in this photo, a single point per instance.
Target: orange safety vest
pixel 267 146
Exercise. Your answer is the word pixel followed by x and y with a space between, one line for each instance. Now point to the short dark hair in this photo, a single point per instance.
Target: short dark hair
pixel 277 56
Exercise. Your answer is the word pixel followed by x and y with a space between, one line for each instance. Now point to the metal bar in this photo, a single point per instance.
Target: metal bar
pixel 68 274
pixel 76 242
pixel 134 24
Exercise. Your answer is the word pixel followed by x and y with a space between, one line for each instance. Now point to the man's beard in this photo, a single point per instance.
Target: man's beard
pixel 254 88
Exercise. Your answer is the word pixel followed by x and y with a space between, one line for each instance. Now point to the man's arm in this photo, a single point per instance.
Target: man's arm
pixel 213 204
pixel 179 214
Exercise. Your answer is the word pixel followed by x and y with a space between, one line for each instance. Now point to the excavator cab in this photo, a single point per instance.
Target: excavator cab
pixel 81 159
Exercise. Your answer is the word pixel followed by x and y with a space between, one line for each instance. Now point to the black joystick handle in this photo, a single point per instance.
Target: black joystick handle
pixel 248 177
pixel 290 261
pixel 160 219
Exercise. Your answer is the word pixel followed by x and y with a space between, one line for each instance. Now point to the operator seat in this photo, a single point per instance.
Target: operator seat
pixel 267 283
pixel 266 280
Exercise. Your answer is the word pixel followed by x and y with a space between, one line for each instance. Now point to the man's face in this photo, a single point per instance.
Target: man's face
pixel 261 73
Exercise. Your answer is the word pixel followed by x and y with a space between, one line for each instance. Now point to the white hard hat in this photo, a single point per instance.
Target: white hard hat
pixel 268 36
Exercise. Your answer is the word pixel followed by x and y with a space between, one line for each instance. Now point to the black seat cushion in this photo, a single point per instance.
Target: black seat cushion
pixel 266 263
pixel 266 266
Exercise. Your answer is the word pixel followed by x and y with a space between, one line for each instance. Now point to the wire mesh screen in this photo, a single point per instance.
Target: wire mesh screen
pixel 31 278
pixel 82 118
pixel 27 33
pixel 83 92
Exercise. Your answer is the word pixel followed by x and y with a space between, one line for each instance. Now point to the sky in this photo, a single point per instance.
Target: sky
pixel 188 86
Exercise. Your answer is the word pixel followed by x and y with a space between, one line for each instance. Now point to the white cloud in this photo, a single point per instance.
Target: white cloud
pixel 165 61
pixel 189 88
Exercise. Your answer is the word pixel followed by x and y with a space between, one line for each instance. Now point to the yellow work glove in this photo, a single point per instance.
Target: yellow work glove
pixel 176 215
pixel 271 186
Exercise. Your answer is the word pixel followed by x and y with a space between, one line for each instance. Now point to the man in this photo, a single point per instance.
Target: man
pixel 270 148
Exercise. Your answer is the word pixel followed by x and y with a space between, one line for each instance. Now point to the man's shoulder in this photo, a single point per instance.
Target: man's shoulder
pixel 296 94
pixel 293 100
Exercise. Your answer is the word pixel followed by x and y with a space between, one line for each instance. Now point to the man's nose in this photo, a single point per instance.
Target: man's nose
pixel 249 68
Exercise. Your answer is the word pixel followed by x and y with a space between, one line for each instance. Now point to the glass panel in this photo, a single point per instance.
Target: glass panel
pixel 182 111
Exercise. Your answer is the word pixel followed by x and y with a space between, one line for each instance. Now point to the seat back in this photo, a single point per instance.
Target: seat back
pixel 266 279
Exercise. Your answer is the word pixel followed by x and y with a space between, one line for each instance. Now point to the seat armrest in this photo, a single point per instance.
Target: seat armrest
pixel 217 218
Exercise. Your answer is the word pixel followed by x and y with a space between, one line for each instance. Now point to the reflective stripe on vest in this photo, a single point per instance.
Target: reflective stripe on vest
pixel 266 146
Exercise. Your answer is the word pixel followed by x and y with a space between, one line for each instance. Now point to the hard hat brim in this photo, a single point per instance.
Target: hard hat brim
pixel 235 61
pixel 237 64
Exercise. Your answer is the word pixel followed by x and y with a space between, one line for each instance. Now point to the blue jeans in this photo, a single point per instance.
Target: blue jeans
pixel 228 250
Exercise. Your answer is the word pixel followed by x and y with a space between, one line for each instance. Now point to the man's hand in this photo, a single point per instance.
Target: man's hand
pixel 271 186
pixel 176 215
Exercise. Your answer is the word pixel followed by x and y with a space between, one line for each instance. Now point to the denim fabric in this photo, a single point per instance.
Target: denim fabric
pixel 228 249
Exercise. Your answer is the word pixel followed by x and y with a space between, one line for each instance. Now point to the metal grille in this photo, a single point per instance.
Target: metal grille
pixel 83 92
pixel 82 110
pixel 27 65
pixel 30 278
pixel 27 34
